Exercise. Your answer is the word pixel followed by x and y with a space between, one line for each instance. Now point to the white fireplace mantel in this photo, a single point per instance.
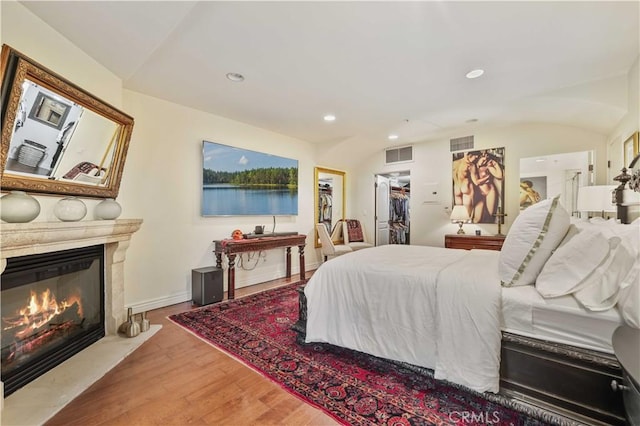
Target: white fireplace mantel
pixel 22 239
pixel 35 403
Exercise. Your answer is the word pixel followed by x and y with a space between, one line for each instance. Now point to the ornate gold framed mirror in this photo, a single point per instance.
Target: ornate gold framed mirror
pixel 330 199
pixel 56 137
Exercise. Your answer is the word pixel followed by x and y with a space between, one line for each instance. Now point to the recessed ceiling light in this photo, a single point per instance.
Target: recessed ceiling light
pixel 234 76
pixel 329 117
pixel 475 73
pixel 393 137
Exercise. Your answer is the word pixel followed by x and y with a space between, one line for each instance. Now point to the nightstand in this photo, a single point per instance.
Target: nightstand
pixel 468 242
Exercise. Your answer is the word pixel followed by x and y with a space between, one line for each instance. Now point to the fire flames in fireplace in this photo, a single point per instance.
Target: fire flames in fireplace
pixel 41 320
pixel 52 308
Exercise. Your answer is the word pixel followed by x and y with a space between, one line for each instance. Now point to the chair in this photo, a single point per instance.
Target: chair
pixel 354 235
pixel 328 248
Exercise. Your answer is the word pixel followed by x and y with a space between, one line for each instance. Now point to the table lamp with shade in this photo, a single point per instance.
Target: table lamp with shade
pixel 596 198
pixel 460 215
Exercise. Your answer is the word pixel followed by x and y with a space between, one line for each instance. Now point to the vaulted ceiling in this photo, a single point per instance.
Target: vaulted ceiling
pixel 380 67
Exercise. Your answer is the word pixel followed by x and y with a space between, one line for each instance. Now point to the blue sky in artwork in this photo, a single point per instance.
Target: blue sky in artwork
pixel 225 158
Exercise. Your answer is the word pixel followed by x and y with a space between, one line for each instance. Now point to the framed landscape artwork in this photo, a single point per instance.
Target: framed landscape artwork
pixel 238 181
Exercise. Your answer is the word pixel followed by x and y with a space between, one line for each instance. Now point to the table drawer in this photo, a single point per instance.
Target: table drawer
pixel 468 242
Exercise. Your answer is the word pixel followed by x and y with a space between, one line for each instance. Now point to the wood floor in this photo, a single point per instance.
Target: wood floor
pixel 176 379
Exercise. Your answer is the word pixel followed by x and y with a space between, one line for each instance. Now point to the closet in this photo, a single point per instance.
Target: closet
pixel 325 205
pixel 393 194
pixel 399 215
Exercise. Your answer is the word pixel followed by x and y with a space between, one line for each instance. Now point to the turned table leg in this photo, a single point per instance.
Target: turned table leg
pixel 231 292
pixel 301 253
pixel 288 262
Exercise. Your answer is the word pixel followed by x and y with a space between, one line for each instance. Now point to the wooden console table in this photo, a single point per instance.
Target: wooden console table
pixel 232 247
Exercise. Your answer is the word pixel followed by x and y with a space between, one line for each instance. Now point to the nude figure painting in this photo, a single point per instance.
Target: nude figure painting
pixel 478 183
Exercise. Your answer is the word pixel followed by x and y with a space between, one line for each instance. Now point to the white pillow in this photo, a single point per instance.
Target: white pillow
pixel 534 235
pixel 571 232
pixel 571 263
pixel 630 234
pixel 629 296
pixel 599 291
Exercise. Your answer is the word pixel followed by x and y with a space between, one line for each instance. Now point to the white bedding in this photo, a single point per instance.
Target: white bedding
pixel 404 303
pixel 560 320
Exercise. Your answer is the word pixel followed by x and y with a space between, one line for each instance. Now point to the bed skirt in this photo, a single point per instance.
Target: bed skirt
pixel 552 382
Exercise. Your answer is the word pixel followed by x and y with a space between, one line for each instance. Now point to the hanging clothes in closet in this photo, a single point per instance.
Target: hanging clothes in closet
pixel 325 203
pixel 399 216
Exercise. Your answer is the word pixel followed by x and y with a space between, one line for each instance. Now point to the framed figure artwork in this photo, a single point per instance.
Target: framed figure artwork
pixel 532 190
pixel 478 183
pixel 630 148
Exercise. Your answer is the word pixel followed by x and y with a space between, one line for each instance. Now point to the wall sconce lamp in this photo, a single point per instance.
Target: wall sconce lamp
pixel 460 215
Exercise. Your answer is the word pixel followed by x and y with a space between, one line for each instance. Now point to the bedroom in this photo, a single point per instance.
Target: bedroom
pixel 176 236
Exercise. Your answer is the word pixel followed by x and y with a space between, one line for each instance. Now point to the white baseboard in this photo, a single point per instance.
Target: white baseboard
pixel 161 302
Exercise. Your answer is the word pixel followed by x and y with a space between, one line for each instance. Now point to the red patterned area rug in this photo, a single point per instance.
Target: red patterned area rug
pixel 354 388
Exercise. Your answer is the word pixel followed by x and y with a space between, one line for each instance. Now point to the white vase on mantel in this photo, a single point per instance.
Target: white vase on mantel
pixel 18 207
pixel 107 209
pixel 70 209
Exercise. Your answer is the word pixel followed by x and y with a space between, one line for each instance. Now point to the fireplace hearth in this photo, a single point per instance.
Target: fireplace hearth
pixel 52 308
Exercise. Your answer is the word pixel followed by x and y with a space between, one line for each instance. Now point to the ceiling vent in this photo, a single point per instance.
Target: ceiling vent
pixel 463 143
pixel 398 155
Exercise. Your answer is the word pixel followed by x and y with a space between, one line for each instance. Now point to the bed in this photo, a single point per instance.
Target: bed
pixel 452 312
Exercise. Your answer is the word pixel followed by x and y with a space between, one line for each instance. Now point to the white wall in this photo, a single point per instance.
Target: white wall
pixel 162 175
pixel 28 34
pixel 432 165
pixel 162 184
pixel 630 123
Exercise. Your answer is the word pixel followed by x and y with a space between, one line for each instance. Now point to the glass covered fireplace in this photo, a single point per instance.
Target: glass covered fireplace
pixel 52 307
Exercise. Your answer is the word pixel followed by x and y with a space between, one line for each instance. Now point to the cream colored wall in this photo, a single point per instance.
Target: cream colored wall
pixel 629 124
pixel 432 165
pixel 28 34
pixel 162 184
pixel 162 177
pixel 162 174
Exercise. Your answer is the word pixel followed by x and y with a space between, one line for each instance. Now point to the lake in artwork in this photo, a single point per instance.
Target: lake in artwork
pixel 238 181
pixel 230 200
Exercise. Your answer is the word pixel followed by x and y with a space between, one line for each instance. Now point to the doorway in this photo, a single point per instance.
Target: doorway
pixel 392 197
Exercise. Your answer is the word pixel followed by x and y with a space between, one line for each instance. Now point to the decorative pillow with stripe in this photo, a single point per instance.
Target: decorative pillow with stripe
pixel 533 237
